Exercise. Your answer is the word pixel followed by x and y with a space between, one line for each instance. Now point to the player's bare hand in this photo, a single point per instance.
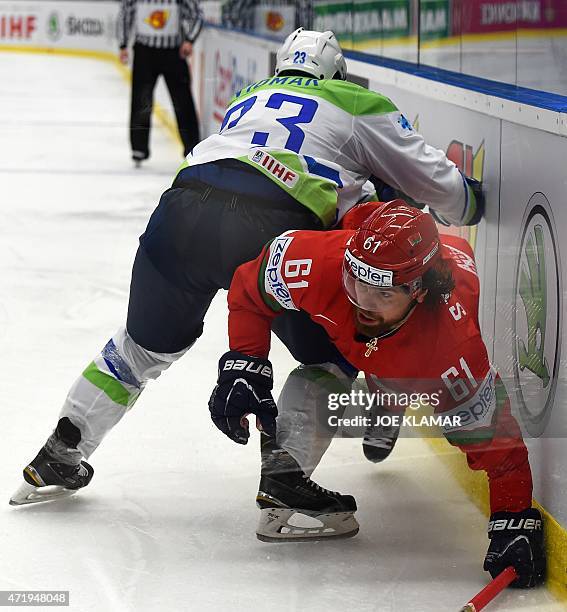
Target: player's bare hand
pixel 124 56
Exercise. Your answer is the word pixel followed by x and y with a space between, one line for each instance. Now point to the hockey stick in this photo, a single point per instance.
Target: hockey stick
pixel 482 599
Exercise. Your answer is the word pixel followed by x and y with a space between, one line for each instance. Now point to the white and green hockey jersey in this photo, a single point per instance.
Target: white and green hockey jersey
pixel 320 140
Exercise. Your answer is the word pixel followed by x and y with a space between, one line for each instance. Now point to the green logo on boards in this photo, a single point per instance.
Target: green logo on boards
pixel 53 26
pixel 533 292
pixel 537 317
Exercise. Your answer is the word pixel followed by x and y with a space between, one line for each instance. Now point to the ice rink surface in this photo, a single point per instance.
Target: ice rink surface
pixel 168 521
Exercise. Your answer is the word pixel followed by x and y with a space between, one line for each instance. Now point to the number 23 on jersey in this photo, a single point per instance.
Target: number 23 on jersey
pixel 305 109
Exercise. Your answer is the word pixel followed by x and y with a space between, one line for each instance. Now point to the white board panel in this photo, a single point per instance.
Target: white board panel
pixel 530 304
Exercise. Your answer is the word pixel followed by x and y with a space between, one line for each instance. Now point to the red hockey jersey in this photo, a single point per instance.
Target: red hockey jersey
pixel 439 350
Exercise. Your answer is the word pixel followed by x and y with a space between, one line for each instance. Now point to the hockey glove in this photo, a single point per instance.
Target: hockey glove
pixel 516 539
pixel 480 201
pixel 243 387
pixel 386 193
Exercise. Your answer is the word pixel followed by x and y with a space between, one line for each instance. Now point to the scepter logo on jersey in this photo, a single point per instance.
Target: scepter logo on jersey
pixel 537 316
pixel 478 410
pixel 274 282
pixel 369 274
pixel 286 176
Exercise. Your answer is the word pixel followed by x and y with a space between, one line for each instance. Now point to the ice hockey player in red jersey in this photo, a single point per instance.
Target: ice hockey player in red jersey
pixel 400 302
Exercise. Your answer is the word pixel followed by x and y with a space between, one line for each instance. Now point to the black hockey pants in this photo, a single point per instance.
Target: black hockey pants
pixel 195 239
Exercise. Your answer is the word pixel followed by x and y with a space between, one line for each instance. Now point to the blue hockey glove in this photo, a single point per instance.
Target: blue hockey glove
pixel 243 387
pixel 516 539
pixel 386 193
pixel 480 200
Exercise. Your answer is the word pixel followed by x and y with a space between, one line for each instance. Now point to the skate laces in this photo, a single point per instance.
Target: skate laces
pixel 313 485
pixel 385 441
pixel 386 434
pixel 64 470
pixel 59 452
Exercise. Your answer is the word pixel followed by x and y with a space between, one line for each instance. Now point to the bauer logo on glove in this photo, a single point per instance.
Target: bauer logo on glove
pixel 516 539
pixel 243 387
pixel 249 366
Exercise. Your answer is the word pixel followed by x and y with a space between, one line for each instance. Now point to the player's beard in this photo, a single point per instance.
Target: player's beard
pixel 373 325
pixel 369 324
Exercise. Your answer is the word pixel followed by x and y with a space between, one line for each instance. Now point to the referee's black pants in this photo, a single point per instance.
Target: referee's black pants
pixel 149 64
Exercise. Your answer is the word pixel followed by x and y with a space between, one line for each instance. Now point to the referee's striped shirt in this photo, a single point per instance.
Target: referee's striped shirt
pixel 190 23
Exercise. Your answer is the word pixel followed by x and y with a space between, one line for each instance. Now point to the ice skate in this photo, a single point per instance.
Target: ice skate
pixel 294 508
pixel 379 440
pixel 138 157
pixel 57 471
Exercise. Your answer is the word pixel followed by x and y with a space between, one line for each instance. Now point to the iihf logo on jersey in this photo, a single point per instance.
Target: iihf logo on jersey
pixel 277 169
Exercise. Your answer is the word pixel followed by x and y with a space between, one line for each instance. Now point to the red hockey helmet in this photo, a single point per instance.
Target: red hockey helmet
pixel 394 246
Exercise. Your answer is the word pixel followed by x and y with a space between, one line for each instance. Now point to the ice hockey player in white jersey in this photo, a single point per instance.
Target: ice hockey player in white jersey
pixel 319 139
pixel 294 151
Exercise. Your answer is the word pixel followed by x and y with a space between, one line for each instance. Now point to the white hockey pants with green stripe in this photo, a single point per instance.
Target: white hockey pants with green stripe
pixel 110 385
pixel 303 428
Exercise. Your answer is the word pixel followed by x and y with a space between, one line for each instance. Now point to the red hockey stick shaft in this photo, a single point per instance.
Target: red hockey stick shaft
pixel 482 599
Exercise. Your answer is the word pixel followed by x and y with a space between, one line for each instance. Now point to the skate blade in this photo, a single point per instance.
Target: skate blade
pixel 29 494
pixel 275 526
